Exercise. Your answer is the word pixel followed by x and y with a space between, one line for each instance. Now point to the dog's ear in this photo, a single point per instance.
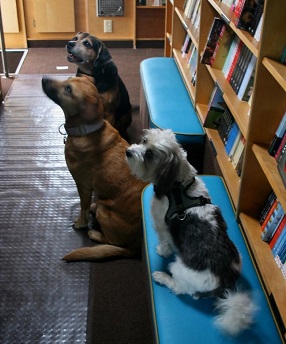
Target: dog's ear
pixel 166 174
pixel 102 52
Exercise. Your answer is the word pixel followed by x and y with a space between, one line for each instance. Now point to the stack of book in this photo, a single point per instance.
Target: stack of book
pixel 277 148
pixel 227 52
pixel 192 10
pixel 273 226
pixel 248 15
pixel 219 117
pixel 190 53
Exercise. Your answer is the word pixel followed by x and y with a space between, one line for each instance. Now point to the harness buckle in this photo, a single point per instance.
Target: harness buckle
pixel 181 216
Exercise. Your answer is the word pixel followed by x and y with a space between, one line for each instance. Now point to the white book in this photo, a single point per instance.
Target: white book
pixel 257 34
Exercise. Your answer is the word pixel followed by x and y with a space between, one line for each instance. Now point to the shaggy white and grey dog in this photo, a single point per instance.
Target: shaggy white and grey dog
pixel 207 262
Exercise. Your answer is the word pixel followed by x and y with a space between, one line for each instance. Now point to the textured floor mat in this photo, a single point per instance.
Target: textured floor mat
pixel 42 298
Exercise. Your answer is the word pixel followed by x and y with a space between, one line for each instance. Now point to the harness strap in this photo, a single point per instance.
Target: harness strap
pixel 179 202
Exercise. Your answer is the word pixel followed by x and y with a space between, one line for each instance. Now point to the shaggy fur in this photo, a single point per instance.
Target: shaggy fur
pixel 93 59
pixel 97 163
pixel 207 263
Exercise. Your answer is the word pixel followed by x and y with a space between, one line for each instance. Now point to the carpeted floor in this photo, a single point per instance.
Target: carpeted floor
pixel 43 299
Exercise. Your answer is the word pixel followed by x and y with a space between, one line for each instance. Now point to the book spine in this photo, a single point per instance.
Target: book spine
pixel 234 61
pixel 272 222
pixel 256 17
pixel 280 148
pixel 281 227
pixel 248 80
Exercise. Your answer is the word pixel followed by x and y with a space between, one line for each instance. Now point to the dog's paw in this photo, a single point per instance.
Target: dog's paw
pixel 164 250
pixel 160 277
pixel 79 224
pixel 93 208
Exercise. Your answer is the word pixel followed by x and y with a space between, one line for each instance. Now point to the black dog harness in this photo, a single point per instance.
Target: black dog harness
pixel 179 201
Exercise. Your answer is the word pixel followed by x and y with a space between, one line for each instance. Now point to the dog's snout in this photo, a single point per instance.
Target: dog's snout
pixel 128 153
pixel 71 44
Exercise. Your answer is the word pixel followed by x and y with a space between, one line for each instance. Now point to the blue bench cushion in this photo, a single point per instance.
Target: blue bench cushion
pixel 168 101
pixel 178 319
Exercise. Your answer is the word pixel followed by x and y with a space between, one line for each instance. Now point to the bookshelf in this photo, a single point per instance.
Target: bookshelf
pixel 257 121
pixel 150 23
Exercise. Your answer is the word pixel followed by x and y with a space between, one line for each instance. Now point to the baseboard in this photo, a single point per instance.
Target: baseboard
pixel 109 44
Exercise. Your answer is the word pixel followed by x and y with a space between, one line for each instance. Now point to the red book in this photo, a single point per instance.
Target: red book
pixel 278 231
pixel 234 61
pixel 274 205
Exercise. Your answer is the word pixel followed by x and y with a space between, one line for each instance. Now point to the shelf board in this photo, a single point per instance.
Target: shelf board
pixel 238 108
pixel 269 167
pixel 230 176
pixel 277 70
pixel 246 38
pixel 202 110
pixel 273 279
pixel 150 7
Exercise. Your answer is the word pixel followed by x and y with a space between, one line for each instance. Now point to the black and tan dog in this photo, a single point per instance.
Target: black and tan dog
pixel 95 156
pixel 93 59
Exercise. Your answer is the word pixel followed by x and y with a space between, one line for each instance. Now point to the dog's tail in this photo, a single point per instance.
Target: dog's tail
pixel 98 252
pixel 236 311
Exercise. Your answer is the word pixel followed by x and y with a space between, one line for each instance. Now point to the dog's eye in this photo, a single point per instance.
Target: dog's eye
pixel 144 140
pixel 68 89
pixel 87 44
pixel 148 154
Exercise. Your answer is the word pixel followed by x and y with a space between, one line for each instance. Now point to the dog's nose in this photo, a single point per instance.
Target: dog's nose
pixel 128 153
pixel 70 44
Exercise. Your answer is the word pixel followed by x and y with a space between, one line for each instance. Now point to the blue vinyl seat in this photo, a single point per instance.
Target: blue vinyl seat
pixel 168 102
pixel 178 319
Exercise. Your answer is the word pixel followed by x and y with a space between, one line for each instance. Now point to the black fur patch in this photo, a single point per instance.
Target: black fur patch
pixel 203 247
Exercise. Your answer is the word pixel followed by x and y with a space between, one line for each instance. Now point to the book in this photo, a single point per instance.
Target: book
pixel 239 165
pixel 267 205
pixel 269 214
pixel 241 66
pixel 234 146
pixel 212 40
pixel 280 228
pixel 234 131
pixel 245 14
pixel 256 17
pixel 280 147
pixel 258 30
pixel 238 152
pixel 281 164
pixel 277 249
pixel 274 145
pixel 272 222
pixel 225 125
pixel 230 56
pixel 196 12
pixel 222 48
pixel 234 60
pixel 216 108
pixel 246 86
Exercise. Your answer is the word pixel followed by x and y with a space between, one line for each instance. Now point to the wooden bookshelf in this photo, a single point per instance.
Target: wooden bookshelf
pixel 150 23
pixel 257 122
